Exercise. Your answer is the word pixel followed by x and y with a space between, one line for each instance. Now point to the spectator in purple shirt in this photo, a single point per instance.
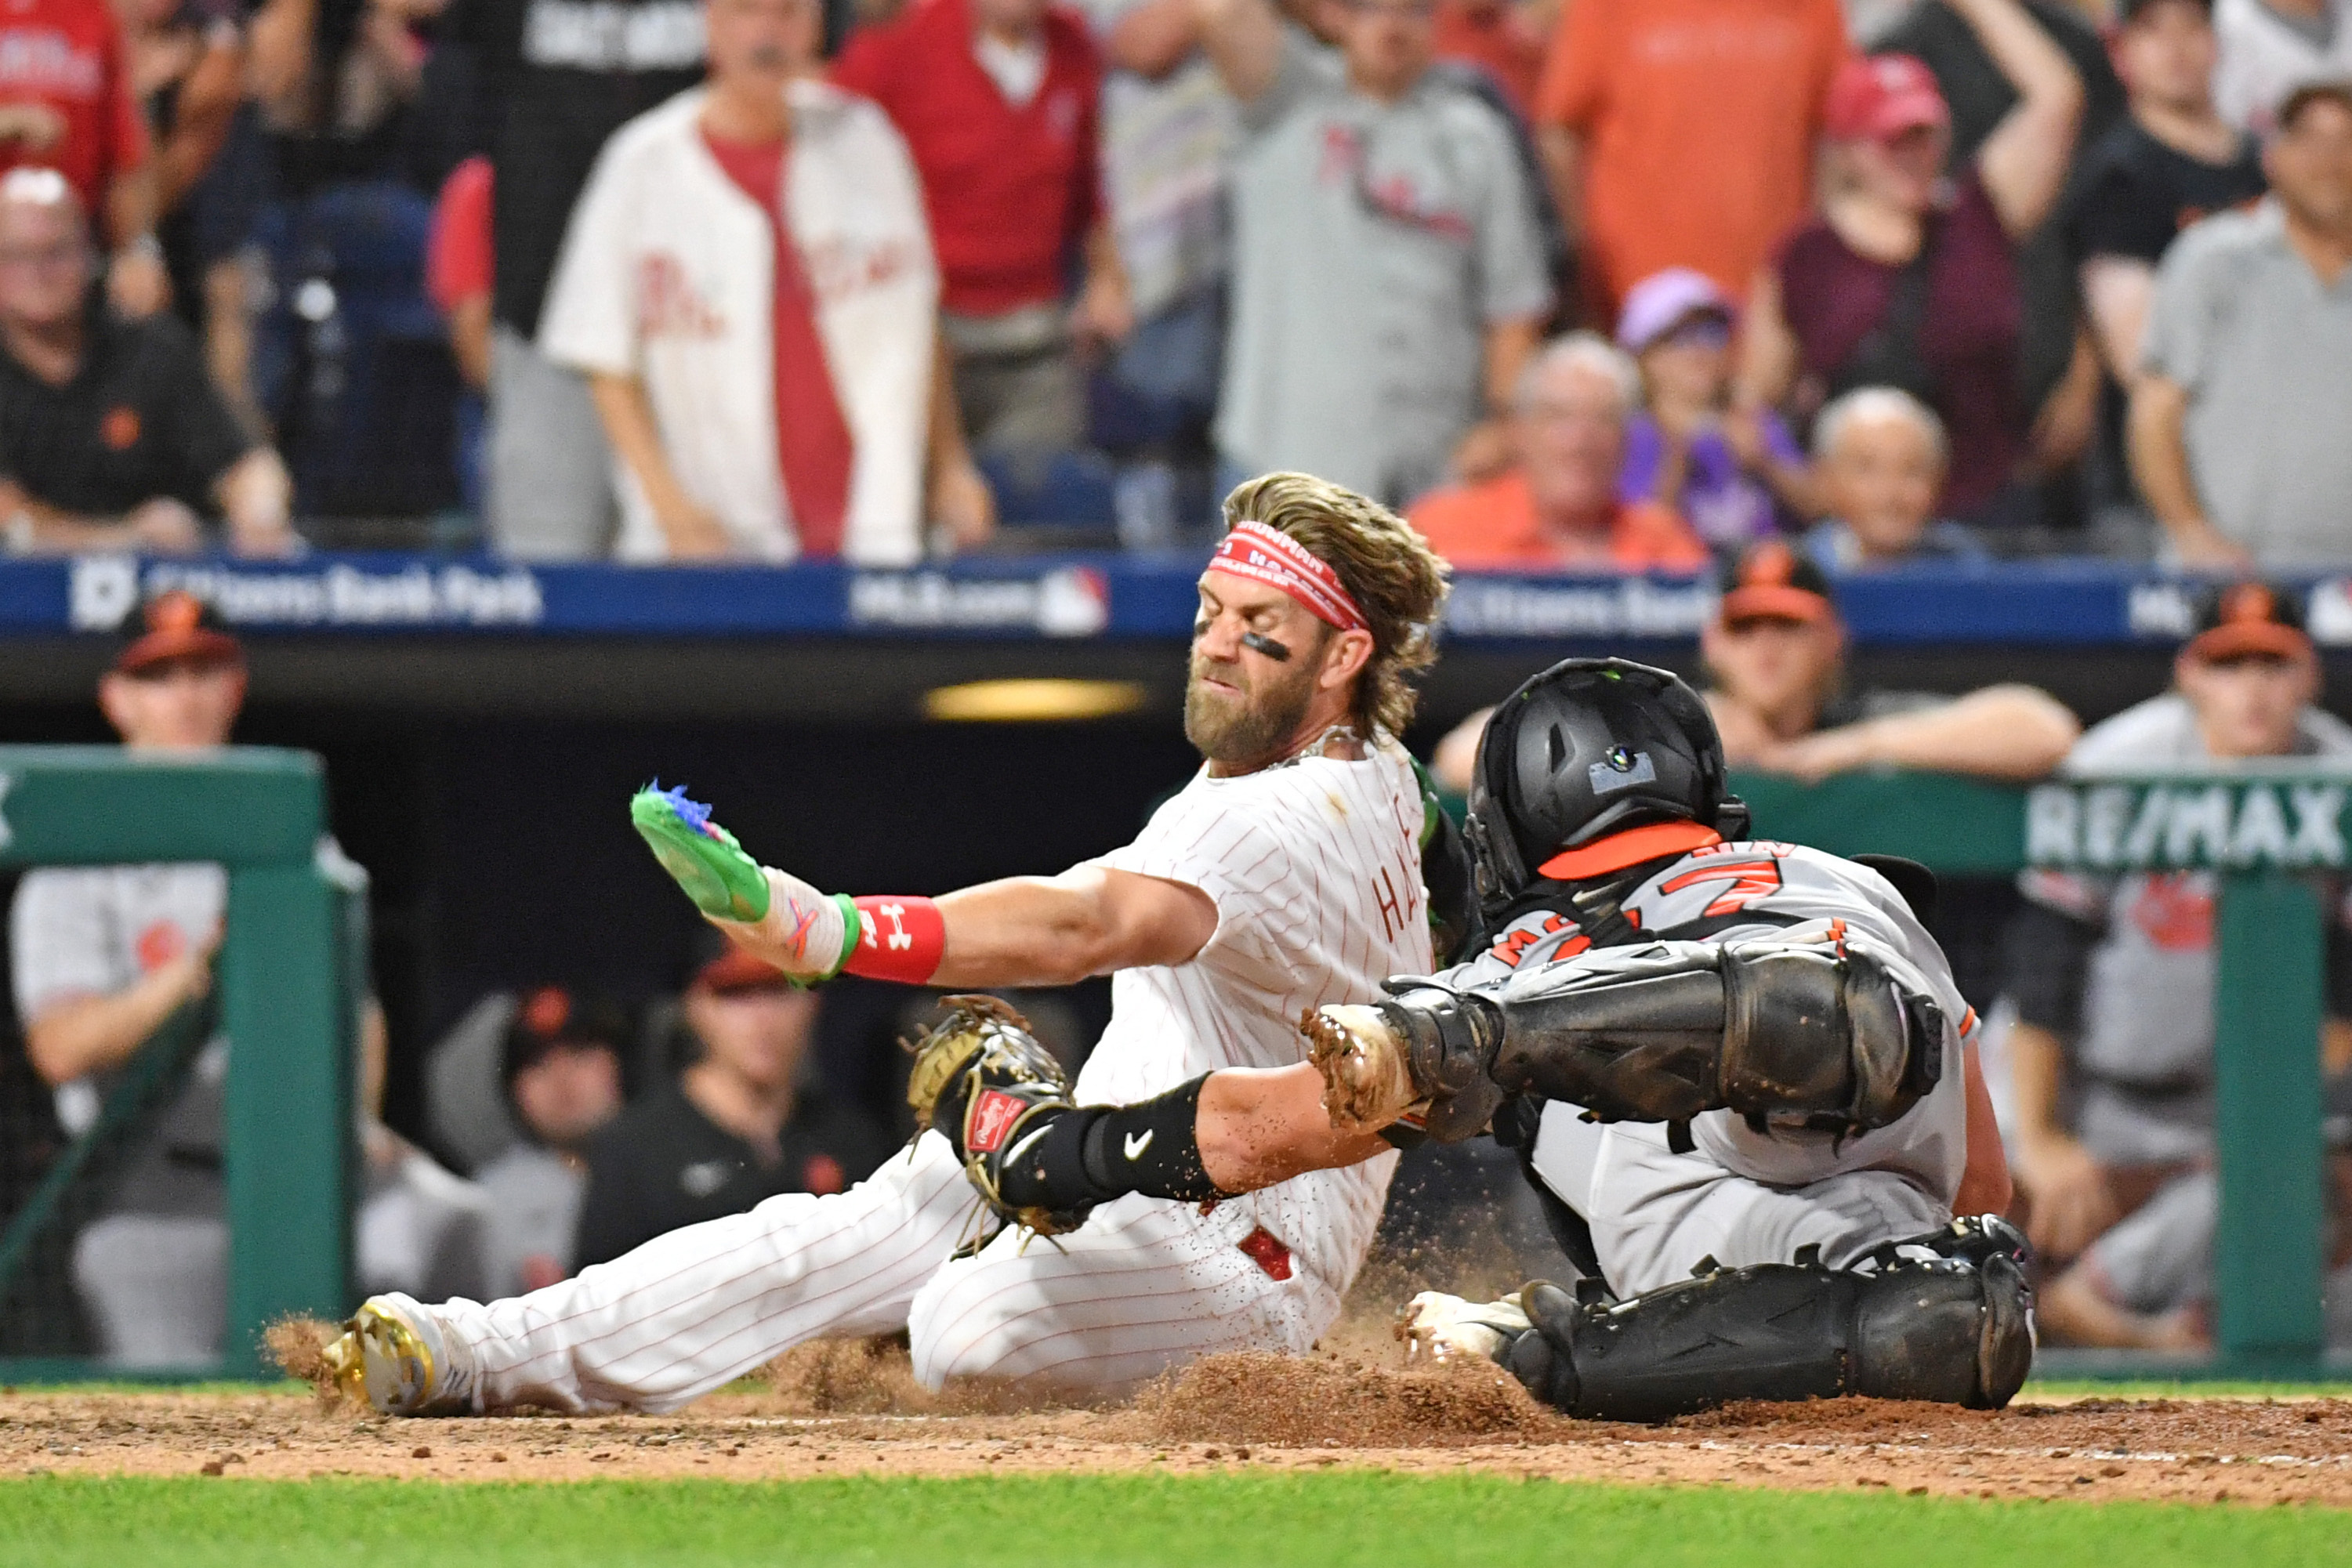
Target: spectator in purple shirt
pixel 1688 449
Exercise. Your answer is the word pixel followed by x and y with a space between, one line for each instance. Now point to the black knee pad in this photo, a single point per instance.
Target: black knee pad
pixel 1946 1318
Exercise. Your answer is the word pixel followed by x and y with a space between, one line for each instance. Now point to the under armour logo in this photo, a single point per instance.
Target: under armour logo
pixel 1136 1143
pixel 898 941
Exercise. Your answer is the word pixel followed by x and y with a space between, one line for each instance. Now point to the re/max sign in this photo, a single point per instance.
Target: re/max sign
pixel 2237 824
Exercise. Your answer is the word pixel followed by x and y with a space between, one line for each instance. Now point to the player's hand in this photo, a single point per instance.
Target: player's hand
pixel 962 503
pixel 164 526
pixel 32 127
pixel 1105 313
pixel 693 532
pixel 1436 1327
pixel 2201 546
pixel 1743 431
pixel 2071 1206
pixel 1367 1079
pixel 1483 451
pixel 136 283
pixel 1816 757
pixel 771 914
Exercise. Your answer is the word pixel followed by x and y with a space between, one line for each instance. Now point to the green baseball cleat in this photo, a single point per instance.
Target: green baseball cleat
pixel 701 856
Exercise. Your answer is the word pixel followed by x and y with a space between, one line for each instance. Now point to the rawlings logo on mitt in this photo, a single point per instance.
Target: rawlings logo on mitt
pixel 981 1079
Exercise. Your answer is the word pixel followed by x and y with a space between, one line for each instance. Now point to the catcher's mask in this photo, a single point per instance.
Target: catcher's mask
pixel 1585 748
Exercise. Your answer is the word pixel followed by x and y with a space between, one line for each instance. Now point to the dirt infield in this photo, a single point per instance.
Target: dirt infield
pixel 850 1409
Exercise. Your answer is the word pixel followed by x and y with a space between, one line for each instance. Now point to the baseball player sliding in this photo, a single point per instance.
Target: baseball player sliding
pixel 1738 1072
pixel 1288 875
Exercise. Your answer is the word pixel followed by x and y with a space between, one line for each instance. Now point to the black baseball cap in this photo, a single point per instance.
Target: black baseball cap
pixel 2252 618
pixel 1772 580
pixel 553 1016
pixel 177 625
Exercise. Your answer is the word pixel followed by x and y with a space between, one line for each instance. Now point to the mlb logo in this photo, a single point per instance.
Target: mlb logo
pixel 991 1118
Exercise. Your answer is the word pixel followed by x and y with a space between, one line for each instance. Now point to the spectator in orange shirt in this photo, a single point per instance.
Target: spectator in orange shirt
pixel 1680 132
pixel 1558 507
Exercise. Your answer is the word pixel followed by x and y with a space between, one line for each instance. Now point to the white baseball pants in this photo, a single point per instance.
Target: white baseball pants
pixel 1144 1285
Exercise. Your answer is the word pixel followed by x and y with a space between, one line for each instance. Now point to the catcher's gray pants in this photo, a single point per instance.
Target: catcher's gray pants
pixel 1145 1285
pixel 1656 1215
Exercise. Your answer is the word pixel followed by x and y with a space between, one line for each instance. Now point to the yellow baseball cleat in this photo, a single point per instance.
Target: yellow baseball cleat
pixel 392 1358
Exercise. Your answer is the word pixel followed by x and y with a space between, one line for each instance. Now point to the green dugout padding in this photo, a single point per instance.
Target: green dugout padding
pixel 286 980
pixel 2268 828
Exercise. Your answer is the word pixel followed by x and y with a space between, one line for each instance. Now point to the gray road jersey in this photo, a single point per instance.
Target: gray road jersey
pixel 94 931
pixel 2144 1057
pixel 1373 244
pixel 1746 893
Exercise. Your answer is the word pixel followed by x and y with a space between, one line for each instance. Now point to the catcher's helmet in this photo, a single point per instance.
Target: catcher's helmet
pixel 1585 748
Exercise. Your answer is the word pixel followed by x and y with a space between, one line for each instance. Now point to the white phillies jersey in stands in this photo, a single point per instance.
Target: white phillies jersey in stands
pixel 1315 869
pixel 668 274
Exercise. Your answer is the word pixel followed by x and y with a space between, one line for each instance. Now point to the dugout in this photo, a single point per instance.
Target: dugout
pixel 481 723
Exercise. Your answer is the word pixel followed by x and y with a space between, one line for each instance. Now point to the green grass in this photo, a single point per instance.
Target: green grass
pixel 1235 1521
pixel 2103 1388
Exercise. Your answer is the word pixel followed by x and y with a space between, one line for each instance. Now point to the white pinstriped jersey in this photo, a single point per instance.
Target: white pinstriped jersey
pixel 1315 869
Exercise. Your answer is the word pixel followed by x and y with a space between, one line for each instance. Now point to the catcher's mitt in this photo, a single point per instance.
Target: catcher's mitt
pixel 981 1079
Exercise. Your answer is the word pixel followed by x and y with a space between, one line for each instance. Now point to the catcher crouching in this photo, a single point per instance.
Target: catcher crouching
pixel 1737 1075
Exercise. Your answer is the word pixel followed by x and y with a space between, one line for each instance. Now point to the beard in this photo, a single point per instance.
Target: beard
pixel 1242 728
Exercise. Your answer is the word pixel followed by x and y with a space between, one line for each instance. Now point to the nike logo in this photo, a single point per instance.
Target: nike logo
pixel 1013 1155
pixel 1136 1143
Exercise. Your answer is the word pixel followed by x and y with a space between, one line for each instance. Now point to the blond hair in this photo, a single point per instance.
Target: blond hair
pixel 1387 568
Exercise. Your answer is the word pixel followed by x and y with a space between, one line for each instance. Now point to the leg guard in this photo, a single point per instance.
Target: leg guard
pixel 1946 1317
pixel 1666 1031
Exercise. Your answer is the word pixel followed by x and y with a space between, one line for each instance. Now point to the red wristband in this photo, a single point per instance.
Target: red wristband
pixel 899 939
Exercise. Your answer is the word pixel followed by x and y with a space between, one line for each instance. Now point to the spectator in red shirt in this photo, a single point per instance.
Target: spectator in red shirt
pixel 459 273
pixel 1505 38
pixel 1000 103
pixel 67 103
pixel 460 277
pixel 1558 509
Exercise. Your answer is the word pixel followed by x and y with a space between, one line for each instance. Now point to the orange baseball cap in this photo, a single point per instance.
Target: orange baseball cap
pixel 1771 580
pixel 733 970
pixel 2251 619
pixel 177 625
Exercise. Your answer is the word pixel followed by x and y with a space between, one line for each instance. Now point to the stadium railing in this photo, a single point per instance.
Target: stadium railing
pixel 2270 831
pixel 288 972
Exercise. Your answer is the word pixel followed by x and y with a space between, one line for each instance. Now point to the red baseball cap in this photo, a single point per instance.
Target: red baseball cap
pixel 1876 98
pixel 177 625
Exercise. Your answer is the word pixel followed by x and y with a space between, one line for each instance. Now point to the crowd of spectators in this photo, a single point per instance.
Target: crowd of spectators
pixel 760 279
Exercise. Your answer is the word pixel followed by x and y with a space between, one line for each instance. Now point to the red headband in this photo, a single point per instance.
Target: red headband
pixel 1269 556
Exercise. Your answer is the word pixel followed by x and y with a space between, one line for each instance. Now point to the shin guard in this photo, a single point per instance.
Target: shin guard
pixel 1946 1317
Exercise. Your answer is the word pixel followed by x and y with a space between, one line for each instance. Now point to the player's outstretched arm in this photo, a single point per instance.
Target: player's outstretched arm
pixel 1042 1162
pixel 1056 930
pixel 1022 931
